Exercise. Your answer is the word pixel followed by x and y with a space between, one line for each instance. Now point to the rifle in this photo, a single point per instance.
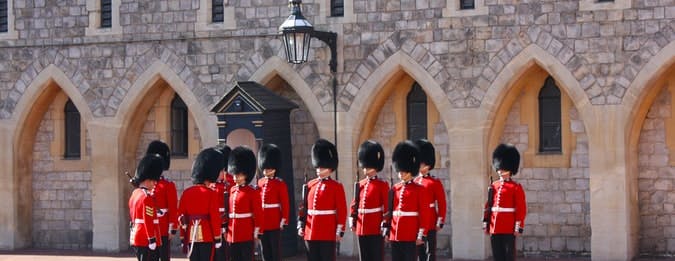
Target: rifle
pixel 226 205
pixel 357 198
pixel 132 181
pixel 302 209
pixel 386 223
pixel 487 212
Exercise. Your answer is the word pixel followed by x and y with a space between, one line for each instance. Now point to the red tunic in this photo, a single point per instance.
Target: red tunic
pixel 198 206
pixel 327 210
pixel 245 215
pixel 436 194
pixel 274 195
pixel 508 207
pixel 144 221
pixel 372 205
pixel 411 208
pixel 167 201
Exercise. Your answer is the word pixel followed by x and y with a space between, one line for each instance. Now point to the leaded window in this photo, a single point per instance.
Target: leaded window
pixel 179 127
pixel 72 131
pixel 4 16
pixel 416 113
pixel 106 13
pixel 337 7
pixel 217 11
pixel 550 136
pixel 467 4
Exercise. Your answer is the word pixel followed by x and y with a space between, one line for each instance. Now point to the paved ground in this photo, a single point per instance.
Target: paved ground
pixel 56 255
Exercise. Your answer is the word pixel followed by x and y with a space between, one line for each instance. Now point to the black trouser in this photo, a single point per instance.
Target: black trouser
pixel 165 249
pixel 403 251
pixel 241 250
pixel 271 245
pixel 144 253
pixel 201 251
pixel 503 247
pixel 427 251
pixel 371 248
pixel 319 250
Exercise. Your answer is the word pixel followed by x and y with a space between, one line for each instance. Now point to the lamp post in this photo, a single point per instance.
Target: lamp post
pixel 296 34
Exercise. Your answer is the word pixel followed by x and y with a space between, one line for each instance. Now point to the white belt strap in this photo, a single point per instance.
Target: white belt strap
pixel 221 210
pixel 141 221
pixel 272 205
pixel 500 209
pixel 240 215
pixel 432 205
pixel 398 213
pixel 369 210
pixel 315 212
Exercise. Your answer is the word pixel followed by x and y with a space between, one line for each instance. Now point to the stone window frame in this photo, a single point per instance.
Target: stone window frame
pixel 94 10
pixel 58 144
pixel 205 19
pixel 11 33
pixel 529 111
pixel 452 9
pixel 594 5
pixel 72 152
pixel 553 97
pixel 184 126
pixel 670 125
pixel 415 95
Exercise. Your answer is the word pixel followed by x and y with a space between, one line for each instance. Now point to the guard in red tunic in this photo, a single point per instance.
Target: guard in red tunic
pixel 145 235
pixel 198 209
pixel 326 206
pixel 370 204
pixel 274 195
pixel 506 209
pixel 222 188
pixel 166 199
pixel 410 210
pixel 436 193
pixel 245 213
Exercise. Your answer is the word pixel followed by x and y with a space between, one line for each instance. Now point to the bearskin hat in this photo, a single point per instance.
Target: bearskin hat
pixel 159 147
pixel 406 157
pixel 150 167
pixel 371 155
pixel 242 161
pixel 225 150
pixel 269 157
pixel 324 155
pixel 427 152
pixel 207 166
pixel 506 157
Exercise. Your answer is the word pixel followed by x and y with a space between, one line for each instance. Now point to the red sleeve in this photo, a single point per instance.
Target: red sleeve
pixel 214 215
pixel 172 199
pixel 521 205
pixel 424 211
pixel 283 197
pixel 149 216
pixel 257 211
pixel 341 206
pixel 384 196
pixel 440 201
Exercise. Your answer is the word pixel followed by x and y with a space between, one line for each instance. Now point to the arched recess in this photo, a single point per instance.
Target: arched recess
pixel 650 155
pixel 500 96
pixel 371 93
pixel 26 118
pixel 511 115
pixel 276 67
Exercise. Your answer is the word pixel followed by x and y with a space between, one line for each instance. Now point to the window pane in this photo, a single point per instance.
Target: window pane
pixel 72 131
pixel 179 130
pixel 466 4
pixel 106 13
pixel 3 16
pixel 217 14
pixel 550 137
pixel 416 113
pixel 337 8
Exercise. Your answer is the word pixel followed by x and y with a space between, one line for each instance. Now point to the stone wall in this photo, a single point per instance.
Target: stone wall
pixel 558 199
pixel 62 217
pixel 656 178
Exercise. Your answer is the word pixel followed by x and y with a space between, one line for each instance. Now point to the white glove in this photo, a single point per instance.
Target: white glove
pixel 218 243
pixel 152 246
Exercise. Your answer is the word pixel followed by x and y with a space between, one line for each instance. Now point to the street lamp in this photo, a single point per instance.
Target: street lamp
pixel 296 33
